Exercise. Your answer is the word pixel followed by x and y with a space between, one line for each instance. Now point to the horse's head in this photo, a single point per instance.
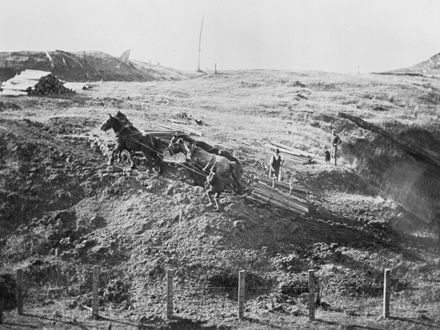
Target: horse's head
pixel 123 118
pixel 111 122
pixel 175 146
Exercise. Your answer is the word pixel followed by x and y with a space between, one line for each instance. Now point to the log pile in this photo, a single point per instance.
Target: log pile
pixel 280 194
pixel 297 156
pixel 49 85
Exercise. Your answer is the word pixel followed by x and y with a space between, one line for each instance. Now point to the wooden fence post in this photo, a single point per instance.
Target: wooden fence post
pixel 19 281
pixel 241 292
pixel 95 288
pixel 311 295
pixel 386 294
pixel 170 304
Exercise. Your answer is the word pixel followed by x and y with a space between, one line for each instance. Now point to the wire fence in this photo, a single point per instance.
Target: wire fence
pixel 195 300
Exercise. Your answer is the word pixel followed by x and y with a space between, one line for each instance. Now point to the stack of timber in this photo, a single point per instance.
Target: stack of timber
pixel 295 155
pixel 280 194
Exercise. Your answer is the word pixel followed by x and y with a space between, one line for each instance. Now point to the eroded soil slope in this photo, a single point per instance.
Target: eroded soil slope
pixel 64 211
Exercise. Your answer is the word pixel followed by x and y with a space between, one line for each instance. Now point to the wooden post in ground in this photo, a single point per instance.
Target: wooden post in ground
pixel 241 292
pixel 311 295
pixel 170 304
pixel 95 288
pixel 386 294
pixel 19 282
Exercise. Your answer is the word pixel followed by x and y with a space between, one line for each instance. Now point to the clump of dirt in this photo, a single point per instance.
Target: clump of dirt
pixel 8 106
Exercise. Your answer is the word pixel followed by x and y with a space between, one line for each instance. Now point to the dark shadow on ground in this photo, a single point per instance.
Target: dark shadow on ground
pixel 179 323
pixel 346 326
pixel 45 318
pixel 266 323
pixel 433 324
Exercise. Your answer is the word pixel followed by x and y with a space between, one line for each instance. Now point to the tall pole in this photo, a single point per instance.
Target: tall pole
pixel 200 45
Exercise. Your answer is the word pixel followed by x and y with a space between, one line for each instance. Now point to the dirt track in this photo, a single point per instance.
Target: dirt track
pixel 58 197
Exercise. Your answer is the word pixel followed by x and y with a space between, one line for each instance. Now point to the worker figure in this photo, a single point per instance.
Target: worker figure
pixel 275 165
pixel 214 186
pixel 336 140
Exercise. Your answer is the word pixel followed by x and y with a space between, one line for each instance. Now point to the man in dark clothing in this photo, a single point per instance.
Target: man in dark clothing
pixel 275 165
pixel 214 186
pixel 327 156
pixel 336 140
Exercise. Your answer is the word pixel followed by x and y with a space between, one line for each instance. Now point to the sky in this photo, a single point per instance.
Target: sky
pixel 329 35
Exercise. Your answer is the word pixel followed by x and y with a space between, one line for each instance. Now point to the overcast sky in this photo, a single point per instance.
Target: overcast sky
pixel 330 35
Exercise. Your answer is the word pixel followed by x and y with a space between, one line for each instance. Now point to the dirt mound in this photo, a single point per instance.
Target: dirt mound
pixel 414 185
pixel 428 68
pixel 83 66
pixel 49 85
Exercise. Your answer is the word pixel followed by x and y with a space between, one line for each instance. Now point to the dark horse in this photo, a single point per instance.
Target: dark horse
pixel 205 146
pixel 130 138
pixel 229 171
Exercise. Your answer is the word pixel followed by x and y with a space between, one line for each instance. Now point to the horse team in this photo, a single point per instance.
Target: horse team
pixel 218 167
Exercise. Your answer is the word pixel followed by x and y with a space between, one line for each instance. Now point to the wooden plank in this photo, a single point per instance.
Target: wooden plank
pixel 282 185
pixel 386 294
pixel 280 204
pixel 170 302
pixel 241 292
pixel 298 152
pixel 295 158
pixel 298 196
pixel 95 290
pixel 311 295
pixel 291 203
pixel 188 129
pixel 290 198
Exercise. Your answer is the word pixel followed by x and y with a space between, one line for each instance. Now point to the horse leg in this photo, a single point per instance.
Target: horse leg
pixel 130 159
pixel 237 184
pixel 208 193
pixel 149 161
pixel 113 154
pixel 217 197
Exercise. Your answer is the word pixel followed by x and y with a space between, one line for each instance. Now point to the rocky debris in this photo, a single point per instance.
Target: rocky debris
pixel 8 106
pixel 117 291
pixel 49 85
pixel 296 83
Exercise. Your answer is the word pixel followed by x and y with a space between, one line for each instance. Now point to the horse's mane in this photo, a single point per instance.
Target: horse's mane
pixel 123 118
pixel 184 137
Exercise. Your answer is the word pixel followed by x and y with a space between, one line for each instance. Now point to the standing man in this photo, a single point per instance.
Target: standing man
pixel 336 140
pixel 275 165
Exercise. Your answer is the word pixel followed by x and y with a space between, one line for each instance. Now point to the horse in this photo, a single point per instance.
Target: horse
pixel 205 146
pixel 131 139
pixel 230 171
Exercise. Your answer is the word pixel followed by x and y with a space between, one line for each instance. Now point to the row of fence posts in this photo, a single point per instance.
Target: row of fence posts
pixel 241 293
